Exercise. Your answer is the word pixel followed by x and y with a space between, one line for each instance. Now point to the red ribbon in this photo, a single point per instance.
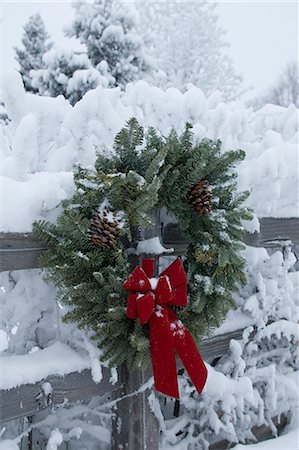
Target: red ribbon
pixel 150 300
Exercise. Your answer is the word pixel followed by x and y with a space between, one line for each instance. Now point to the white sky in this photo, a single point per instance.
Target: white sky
pixel 263 34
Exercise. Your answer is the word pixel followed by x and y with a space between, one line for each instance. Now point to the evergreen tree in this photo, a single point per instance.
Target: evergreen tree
pixel 66 73
pixel 36 43
pixel 189 46
pixel 108 28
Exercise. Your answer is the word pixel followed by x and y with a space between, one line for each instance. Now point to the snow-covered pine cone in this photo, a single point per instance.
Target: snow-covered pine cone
pixel 104 229
pixel 199 197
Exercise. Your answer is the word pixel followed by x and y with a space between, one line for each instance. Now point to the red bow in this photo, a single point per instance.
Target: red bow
pixel 149 300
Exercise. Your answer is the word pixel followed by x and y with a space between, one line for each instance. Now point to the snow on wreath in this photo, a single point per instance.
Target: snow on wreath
pixel 89 246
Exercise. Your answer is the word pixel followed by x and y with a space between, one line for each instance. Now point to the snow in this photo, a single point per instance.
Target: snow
pixel 114 376
pixel 38 197
pixel 9 444
pixel 281 328
pixel 47 388
pixel 55 440
pixel 152 246
pixel 219 385
pixel 47 136
pixel 287 441
pixel 153 282
pixel 3 341
pixel 235 320
pixel 57 359
pixel 41 144
pixel 94 355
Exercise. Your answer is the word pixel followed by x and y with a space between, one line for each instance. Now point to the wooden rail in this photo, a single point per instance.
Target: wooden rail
pixel 273 233
pixel 19 251
pixel 261 433
pixel 27 399
pixel 22 250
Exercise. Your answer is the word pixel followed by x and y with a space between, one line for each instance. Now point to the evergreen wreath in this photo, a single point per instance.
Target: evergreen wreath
pixel 146 171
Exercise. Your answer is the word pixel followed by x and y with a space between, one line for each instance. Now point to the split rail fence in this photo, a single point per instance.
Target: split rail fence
pixel 139 430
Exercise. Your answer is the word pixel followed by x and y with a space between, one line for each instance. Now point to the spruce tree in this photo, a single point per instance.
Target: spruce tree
pixel 66 73
pixel 108 28
pixel 36 43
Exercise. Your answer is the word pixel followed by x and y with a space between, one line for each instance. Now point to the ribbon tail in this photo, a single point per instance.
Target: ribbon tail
pixel 163 354
pixel 191 358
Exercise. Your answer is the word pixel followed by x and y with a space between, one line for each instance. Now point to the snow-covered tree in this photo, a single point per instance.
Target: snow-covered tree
pixel 36 43
pixel 258 376
pixel 68 73
pixel 109 30
pixel 189 46
pixel 286 89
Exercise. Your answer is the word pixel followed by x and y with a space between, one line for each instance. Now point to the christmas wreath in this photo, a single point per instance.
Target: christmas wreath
pixel 89 246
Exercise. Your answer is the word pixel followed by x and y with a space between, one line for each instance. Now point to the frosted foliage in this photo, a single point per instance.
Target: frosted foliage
pixel 68 73
pixel 47 136
pixel 109 31
pixel 84 425
pixel 286 89
pixel 36 344
pixel 189 46
pixel 259 378
pixel 35 42
pixel 27 317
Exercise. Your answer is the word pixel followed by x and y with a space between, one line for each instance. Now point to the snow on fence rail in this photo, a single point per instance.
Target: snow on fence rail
pixel 274 232
pixel 27 399
pixel 21 251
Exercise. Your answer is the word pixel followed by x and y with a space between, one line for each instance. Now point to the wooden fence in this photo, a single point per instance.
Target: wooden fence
pixel 21 251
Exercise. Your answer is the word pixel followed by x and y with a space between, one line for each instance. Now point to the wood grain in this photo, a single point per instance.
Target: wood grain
pixel 134 425
pixel 21 250
pixel 273 233
pixel 27 399
pixel 23 401
pixel 139 426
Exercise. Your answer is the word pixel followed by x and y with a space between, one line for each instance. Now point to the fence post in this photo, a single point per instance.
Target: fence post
pixel 134 425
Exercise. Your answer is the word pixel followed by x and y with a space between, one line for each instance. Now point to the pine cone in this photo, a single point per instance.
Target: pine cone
pixel 104 229
pixel 199 197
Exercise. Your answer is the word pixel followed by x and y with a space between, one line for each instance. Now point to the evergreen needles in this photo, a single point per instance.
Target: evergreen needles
pixel 147 171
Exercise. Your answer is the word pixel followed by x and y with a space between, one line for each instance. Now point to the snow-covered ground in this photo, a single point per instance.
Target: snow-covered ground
pixel 47 136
